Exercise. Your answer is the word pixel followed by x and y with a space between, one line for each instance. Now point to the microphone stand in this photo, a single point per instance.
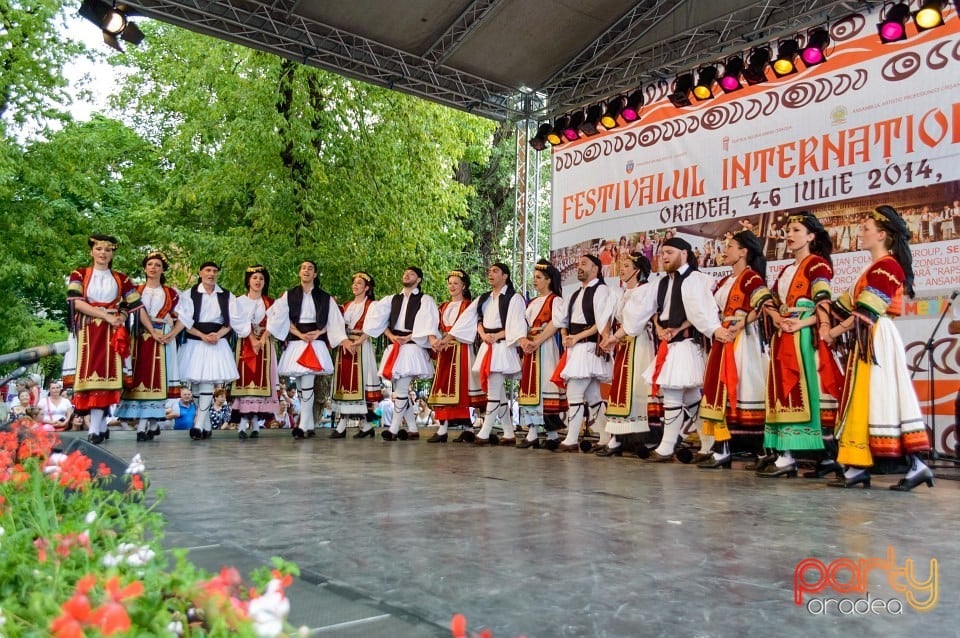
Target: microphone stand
pixel 931 416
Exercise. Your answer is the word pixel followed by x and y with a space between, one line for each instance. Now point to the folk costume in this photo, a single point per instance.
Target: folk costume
pixel 356 383
pixel 495 312
pixel 585 366
pixel 686 306
pixel 542 402
pixel 94 364
pixel 156 369
pixel 254 392
pixel 802 371
pixel 456 387
pixel 880 415
pixel 632 355
pixel 413 314
pixel 307 311
pixel 735 379
pixel 205 365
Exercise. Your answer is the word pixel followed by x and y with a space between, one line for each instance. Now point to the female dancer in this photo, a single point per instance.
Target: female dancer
pixel 793 403
pixel 456 388
pixel 254 394
pixel 632 346
pixel 100 301
pixel 542 402
pixel 356 385
pixel 880 415
pixel 156 371
pixel 734 383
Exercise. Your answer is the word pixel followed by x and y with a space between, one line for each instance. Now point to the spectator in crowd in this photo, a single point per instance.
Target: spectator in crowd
pixel 55 409
pixel 182 411
pixel 220 412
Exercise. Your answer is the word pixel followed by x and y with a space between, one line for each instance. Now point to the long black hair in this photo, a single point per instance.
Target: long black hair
pixel 251 271
pixel 755 259
pixel 641 264
pixel 549 271
pixel 898 242
pixel 821 244
pixel 368 279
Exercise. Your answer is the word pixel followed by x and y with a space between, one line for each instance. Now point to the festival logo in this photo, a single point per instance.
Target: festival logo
pixel 838 116
pixel 851 579
pixel 630 166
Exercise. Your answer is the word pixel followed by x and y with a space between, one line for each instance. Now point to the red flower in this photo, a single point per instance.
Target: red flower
pixel 118 594
pixel 41 544
pixel 110 618
pixel 75 613
pixel 103 470
pixel 137 482
pixel 74 471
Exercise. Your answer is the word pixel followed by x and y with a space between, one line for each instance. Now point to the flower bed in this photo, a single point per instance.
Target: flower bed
pixel 80 560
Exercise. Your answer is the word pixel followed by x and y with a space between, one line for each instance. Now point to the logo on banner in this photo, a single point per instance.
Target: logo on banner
pixel 630 165
pixel 848 576
pixel 838 116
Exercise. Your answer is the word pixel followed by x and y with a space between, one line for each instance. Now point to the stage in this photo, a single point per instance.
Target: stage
pixel 394 538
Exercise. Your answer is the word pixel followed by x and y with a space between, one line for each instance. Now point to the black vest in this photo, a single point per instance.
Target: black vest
pixel 321 301
pixel 504 302
pixel 223 300
pixel 678 314
pixel 413 307
pixel 587 305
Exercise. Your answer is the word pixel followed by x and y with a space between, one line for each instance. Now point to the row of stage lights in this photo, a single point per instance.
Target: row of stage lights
pixel 730 75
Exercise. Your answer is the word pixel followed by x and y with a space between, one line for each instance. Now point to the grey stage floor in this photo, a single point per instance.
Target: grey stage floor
pixel 394 538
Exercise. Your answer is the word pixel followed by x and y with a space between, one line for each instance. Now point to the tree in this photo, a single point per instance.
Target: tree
pixel 269 161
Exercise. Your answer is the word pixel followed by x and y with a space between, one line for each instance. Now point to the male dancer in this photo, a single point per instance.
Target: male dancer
pixel 209 315
pixel 498 318
pixel 588 318
pixel 310 320
pixel 687 315
pixel 409 319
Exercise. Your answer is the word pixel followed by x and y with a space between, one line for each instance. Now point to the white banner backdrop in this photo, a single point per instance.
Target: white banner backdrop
pixel 875 124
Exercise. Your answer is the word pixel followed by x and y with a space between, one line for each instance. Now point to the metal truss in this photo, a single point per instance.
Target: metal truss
pixel 527 211
pixel 275 27
pixel 456 33
pixel 637 62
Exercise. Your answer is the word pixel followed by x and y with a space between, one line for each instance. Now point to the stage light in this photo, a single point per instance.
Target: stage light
pixel 113 22
pixel 730 80
pixel 681 90
pixel 631 110
pixel 614 107
pixel 756 71
pixel 893 26
pixel 572 131
pixel 706 78
pixel 592 120
pixel 929 16
pixel 786 55
pixel 539 141
pixel 813 52
pixel 555 136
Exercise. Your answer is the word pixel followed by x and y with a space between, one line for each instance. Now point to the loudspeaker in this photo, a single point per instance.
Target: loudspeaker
pixel 117 480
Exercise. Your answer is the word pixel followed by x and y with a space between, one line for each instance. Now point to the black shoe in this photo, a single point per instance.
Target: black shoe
pixel 761 463
pixel 465 437
pixel 714 463
pixel 387 435
pixel 656 457
pixel 141 436
pixel 96 439
pixel 907 484
pixel 254 434
pixel 336 435
pixel 149 434
pixel 862 476
pixel 823 468
pixel 527 443
pixel 195 434
pixel 105 436
pixel 772 471
pixel 298 433
pixel 207 434
pixel 242 435
pixel 362 434
pixel 437 438
pixel 311 434
pixel 608 451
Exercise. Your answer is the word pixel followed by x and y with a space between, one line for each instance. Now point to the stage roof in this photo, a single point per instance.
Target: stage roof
pixel 502 59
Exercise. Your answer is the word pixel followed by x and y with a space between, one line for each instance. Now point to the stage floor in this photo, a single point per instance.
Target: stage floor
pixel 395 538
